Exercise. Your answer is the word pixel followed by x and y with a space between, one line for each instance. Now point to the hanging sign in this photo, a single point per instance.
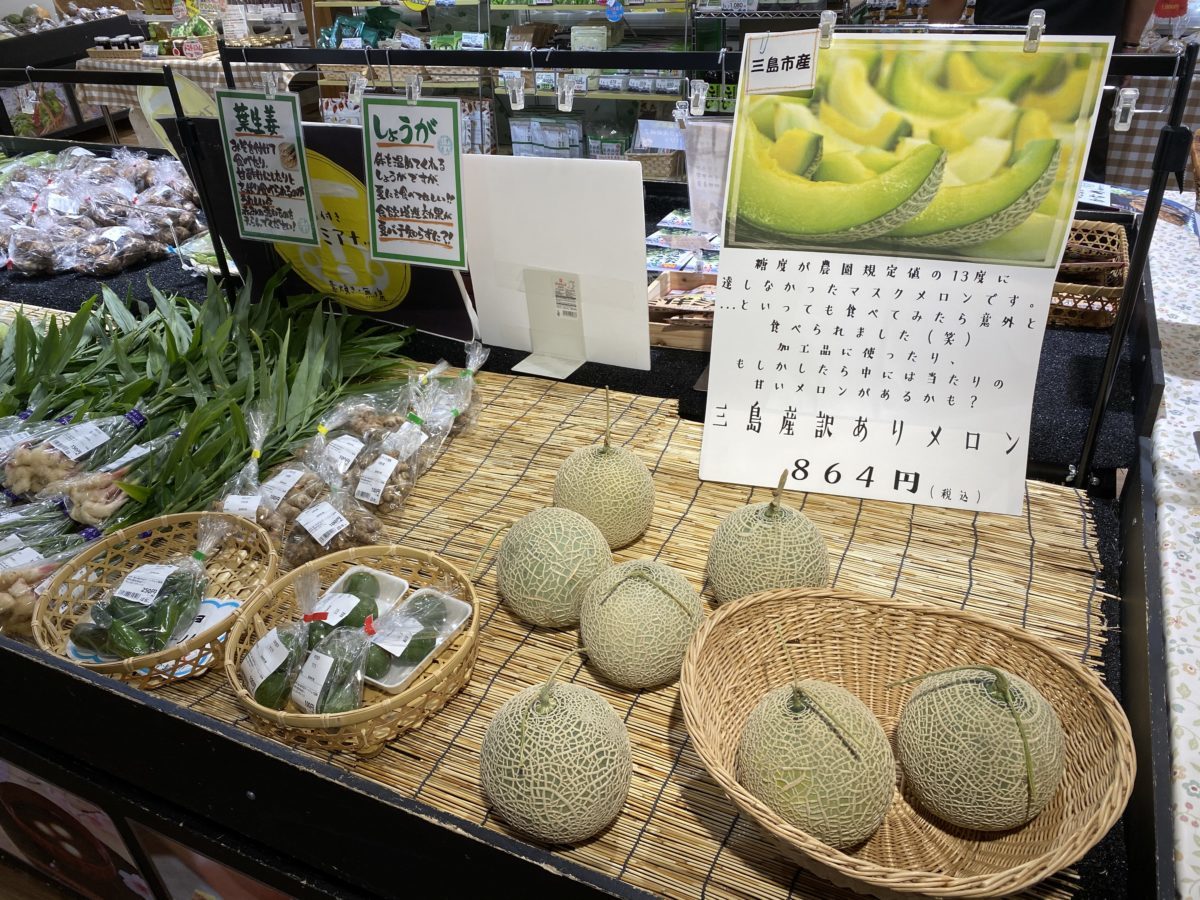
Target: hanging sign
pixel 234 23
pixel 889 256
pixel 781 62
pixel 264 150
pixel 413 182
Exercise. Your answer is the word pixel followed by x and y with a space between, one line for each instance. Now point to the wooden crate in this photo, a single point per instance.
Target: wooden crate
pixel 684 326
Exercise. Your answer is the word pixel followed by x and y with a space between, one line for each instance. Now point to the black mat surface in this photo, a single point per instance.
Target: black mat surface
pixel 66 292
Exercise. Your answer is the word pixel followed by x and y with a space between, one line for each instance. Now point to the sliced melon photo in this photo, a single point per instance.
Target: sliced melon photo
pixel 913 87
pixel 797 151
pixel 851 93
pixel 973 213
pixel 979 161
pixel 884 134
pixel 1064 103
pixel 844 167
pixel 990 117
pixel 774 201
pixel 1025 243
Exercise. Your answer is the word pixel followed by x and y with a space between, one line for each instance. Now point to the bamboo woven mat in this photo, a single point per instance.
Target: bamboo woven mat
pixel 678 835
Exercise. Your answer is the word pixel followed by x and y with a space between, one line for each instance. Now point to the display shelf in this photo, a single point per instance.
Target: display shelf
pixel 601 95
pixel 590 8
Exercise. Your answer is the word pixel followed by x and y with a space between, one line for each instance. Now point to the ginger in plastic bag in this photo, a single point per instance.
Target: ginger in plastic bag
pixel 271 666
pixel 331 679
pixel 154 604
pixel 107 251
pixel 327 526
pixel 24 573
pixel 434 408
pixel 30 251
pixel 386 470
pixel 94 498
pixel 291 489
pixel 71 451
pixel 468 400
pixel 241 494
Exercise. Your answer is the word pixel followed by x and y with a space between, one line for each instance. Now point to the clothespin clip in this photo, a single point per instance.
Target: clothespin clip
pixel 1034 30
pixel 270 83
pixel 412 87
pixel 566 93
pixel 680 113
pixel 514 83
pixel 1124 108
pixel 698 95
pixel 825 29
pixel 29 96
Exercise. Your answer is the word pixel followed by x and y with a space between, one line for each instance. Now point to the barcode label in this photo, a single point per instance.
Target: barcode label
pixel 323 522
pixel 143 584
pixel 263 659
pixel 306 692
pixel 79 440
pixel 276 489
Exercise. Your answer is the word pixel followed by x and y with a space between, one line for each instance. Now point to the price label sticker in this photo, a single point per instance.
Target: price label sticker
pixel 395 633
pixel 336 606
pixel 244 505
pixel 306 692
pixel 263 659
pixel 136 452
pixel 375 478
pixel 11 543
pixel 276 489
pixel 79 440
pixel 351 43
pixel 17 559
pixel 150 50
pixel 323 522
pixel 8 441
pixel 193 49
pixel 143 584
pixel 343 451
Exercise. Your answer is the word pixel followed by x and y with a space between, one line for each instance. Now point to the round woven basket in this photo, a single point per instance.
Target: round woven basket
pixel 240 570
pixel 382 716
pixel 863 645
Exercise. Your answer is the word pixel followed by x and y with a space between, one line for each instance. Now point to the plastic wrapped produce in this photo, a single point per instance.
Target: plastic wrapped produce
pixel 408 635
pixel 327 526
pixel 95 497
pixel 241 495
pixel 107 251
pixel 30 252
pixel 434 408
pixel 386 470
pixel 25 571
pixel 272 664
pixel 30 523
pixel 78 448
pixel 291 489
pixel 153 604
pixel 331 679
pixel 468 400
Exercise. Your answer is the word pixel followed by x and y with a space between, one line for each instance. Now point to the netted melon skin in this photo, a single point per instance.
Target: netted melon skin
pixel 635 634
pixel 546 562
pixel 752 551
pixel 609 486
pixel 572 776
pixel 962 756
pixel 804 770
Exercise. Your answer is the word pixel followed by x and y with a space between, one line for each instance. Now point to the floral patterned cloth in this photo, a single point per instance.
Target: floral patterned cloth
pixel 1175 269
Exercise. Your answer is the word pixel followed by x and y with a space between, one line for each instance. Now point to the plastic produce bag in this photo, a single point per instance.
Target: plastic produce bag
pixel 153 604
pixel 331 679
pixel 386 469
pixel 468 400
pixel 241 495
pixel 31 522
pixel 30 251
pixel 327 526
pixel 95 497
pixel 405 637
pixel 434 408
pixel 291 489
pixel 24 573
pixel 82 447
pixel 271 666
pixel 107 251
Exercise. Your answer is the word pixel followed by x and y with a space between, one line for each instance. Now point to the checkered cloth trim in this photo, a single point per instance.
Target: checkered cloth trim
pixel 1130 153
pixel 206 73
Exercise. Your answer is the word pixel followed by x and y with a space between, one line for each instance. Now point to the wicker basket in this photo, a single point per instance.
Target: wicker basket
pixel 104 53
pixel 240 570
pixel 657 163
pixel 1092 305
pixel 864 645
pixel 382 716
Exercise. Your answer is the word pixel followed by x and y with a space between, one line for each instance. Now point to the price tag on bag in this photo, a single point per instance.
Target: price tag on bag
pixel 8 441
pixel 343 451
pixel 394 634
pixel 336 607
pixel 323 522
pixel 306 691
pixel 79 440
pixel 26 556
pixel 143 584
pixel 136 452
pixel 244 505
pixel 375 478
pixel 11 543
pixel 263 659
pixel 276 489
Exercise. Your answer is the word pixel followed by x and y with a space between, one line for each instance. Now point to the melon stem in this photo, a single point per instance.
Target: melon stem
pixel 607 418
pixel 541 703
pixel 777 499
pixel 486 548
pixel 1004 687
pixel 643 575
pixel 806 698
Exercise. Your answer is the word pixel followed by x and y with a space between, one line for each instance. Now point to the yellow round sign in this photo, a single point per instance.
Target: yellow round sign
pixel 341 264
pixel 416 5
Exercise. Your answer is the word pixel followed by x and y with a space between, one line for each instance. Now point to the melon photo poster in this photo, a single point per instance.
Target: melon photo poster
pixel 891 241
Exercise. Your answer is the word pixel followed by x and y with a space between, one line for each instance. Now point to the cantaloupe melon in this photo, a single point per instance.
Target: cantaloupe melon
pixel 555 762
pixel 636 622
pixel 763 546
pixel 608 485
pixel 816 755
pixel 546 562
pixel 980 748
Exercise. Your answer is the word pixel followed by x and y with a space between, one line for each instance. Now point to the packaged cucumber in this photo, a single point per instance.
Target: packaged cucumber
pixel 154 603
pixel 405 638
pixel 271 666
pixel 331 678
pixel 327 526
pixel 241 495
pixel 469 402
pixel 346 605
